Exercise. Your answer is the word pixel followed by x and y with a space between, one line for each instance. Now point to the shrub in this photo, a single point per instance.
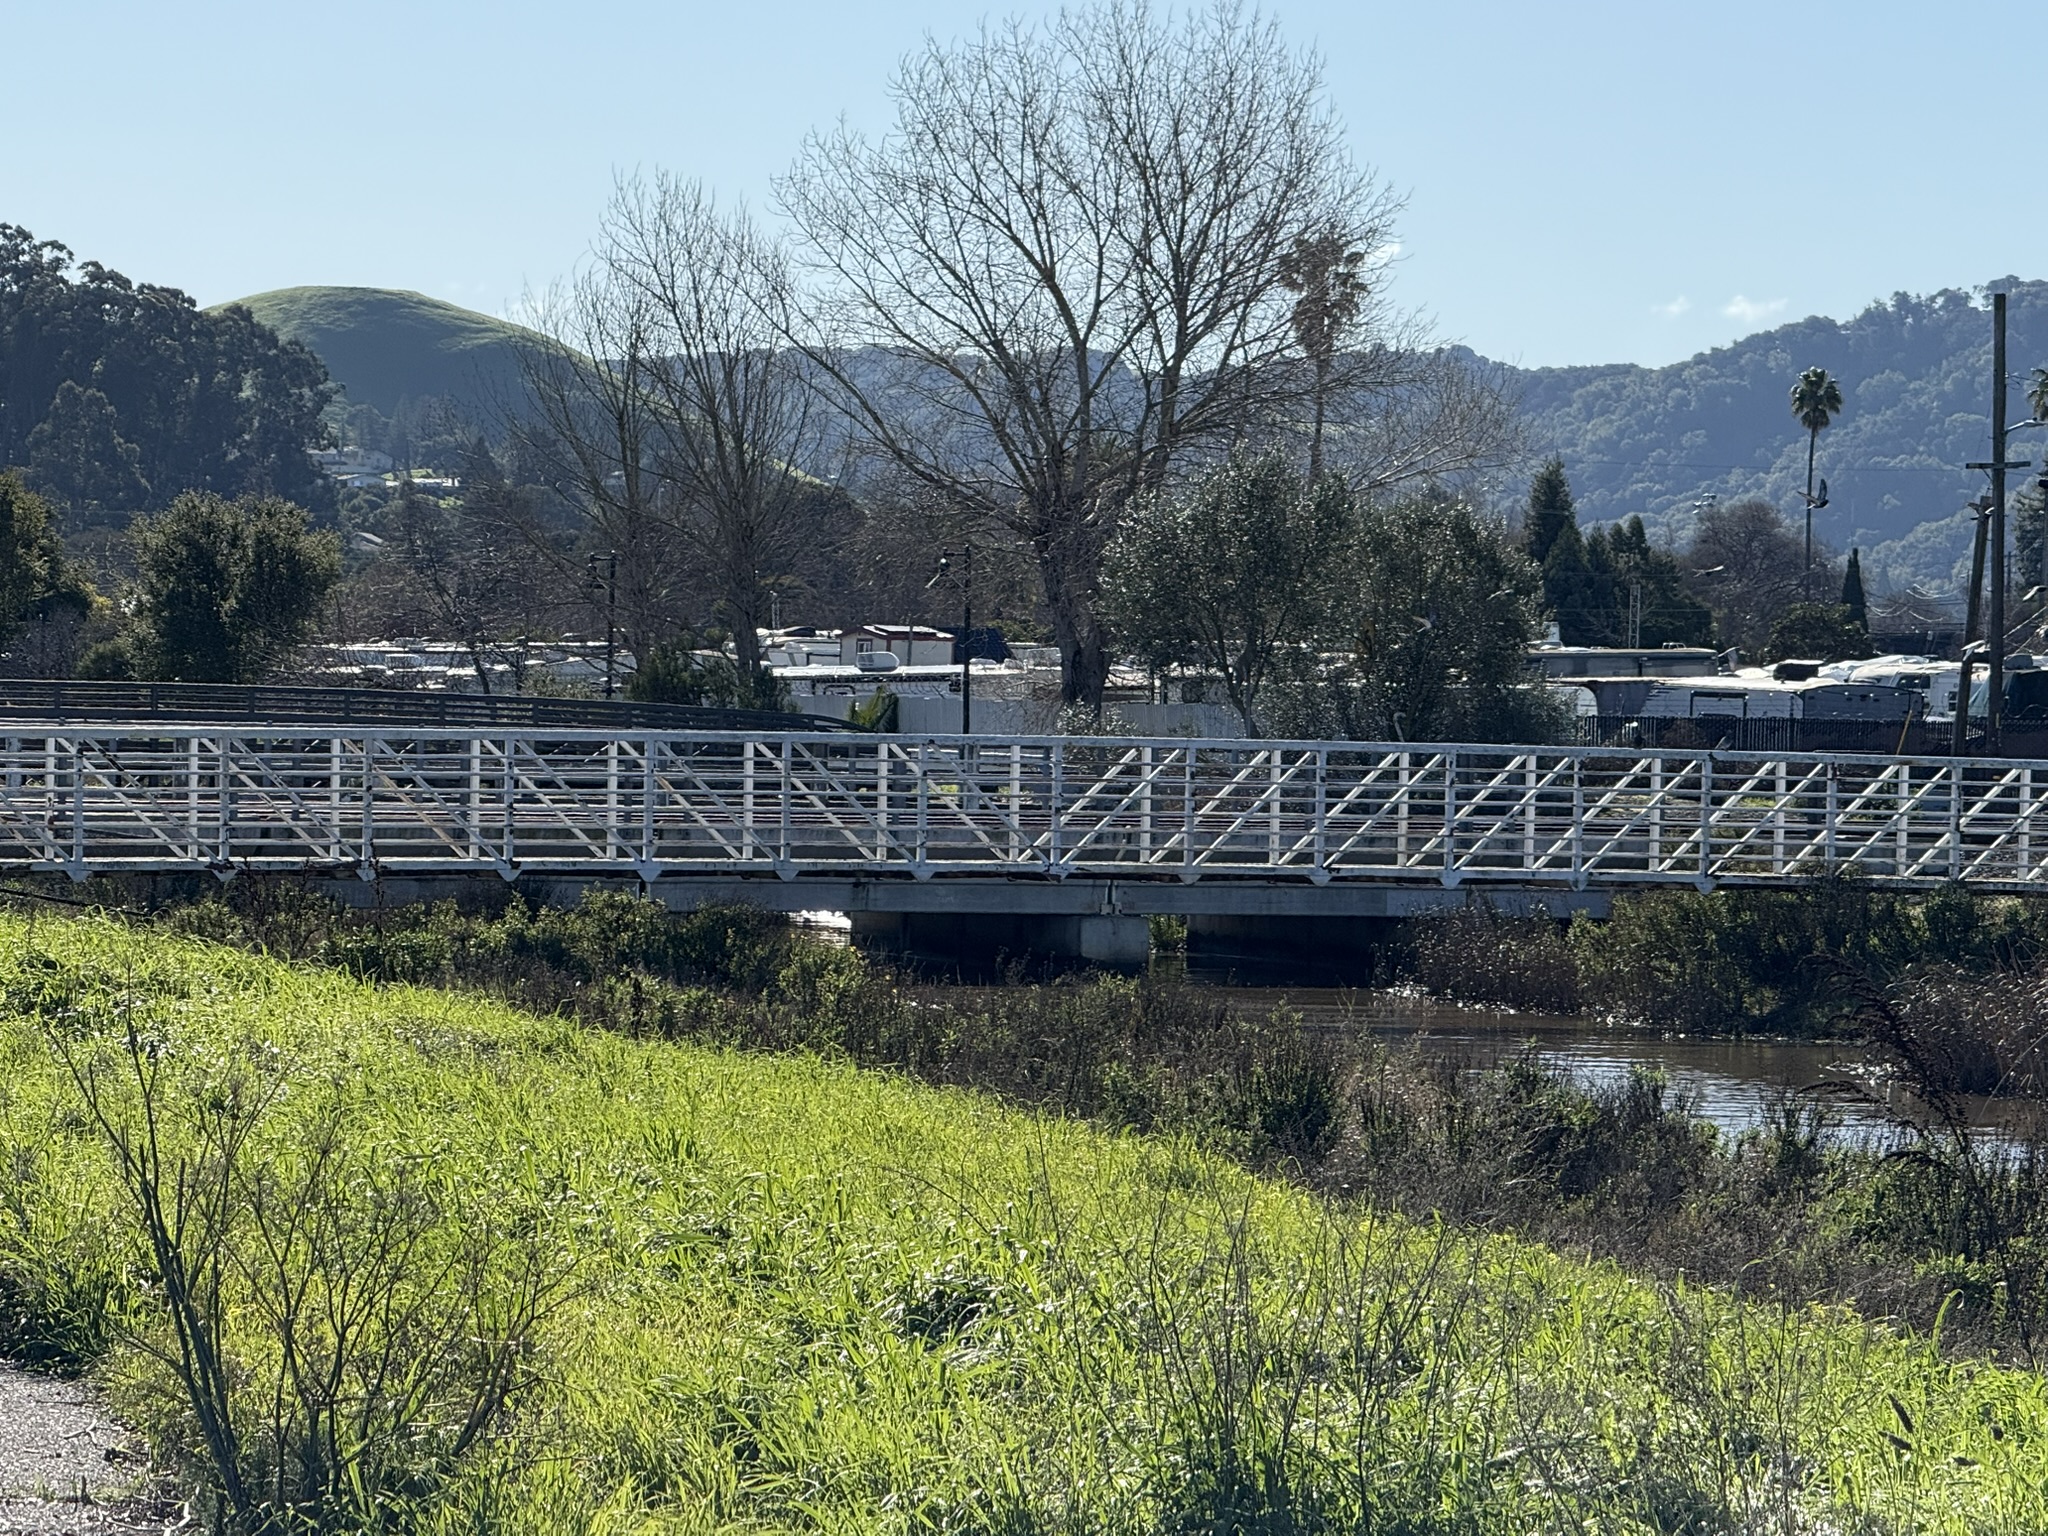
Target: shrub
pixel 1477 954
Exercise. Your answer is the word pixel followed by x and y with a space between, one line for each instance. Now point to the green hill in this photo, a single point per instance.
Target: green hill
pixel 1915 373
pixel 384 346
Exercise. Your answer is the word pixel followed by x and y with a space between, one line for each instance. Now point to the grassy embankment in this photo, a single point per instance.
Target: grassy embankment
pixel 678 1287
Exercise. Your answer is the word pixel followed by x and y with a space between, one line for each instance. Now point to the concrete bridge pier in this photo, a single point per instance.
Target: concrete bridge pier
pixel 1116 941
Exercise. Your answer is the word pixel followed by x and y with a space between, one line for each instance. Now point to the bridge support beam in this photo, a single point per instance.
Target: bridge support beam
pixel 1117 941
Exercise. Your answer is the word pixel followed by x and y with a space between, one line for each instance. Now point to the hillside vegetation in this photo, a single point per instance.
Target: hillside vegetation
pixel 384 346
pixel 467 1268
pixel 1915 374
pixel 117 397
pixel 1914 371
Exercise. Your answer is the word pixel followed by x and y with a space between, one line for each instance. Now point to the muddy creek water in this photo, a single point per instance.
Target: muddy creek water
pixel 1737 1084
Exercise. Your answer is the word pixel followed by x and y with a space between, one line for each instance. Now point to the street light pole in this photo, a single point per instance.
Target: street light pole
pixel 1961 743
pixel 967 643
pixel 610 561
pixel 966 628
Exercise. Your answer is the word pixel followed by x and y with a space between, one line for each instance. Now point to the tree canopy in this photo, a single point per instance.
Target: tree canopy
pixel 1234 572
pixel 1609 587
pixel 1911 372
pixel 1817 632
pixel 35 579
pixel 1429 642
pixel 1551 510
pixel 1065 272
pixel 1749 565
pixel 226 588
pixel 122 395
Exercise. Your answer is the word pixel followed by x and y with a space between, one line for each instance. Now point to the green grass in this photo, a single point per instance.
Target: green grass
pixel 810 1297
pixel 383 345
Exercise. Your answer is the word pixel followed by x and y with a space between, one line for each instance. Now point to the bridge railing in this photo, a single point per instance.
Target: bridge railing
pixel 308 798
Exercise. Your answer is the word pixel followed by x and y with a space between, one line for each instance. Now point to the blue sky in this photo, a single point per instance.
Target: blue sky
pixel 1587 182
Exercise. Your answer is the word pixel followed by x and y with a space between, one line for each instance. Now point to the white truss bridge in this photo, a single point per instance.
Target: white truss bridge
pixel 934 815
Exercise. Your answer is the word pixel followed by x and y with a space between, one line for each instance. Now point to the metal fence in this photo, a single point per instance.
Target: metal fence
pixel 93 703
pixel 280 798
pixel 2025 738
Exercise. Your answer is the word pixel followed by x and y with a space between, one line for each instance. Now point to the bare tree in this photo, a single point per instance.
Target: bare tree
pixel 1407 413
pixel 1747 564
pixel 1065 269
pixel 669 408
pixel 736 418
pixel 472 574
pixel 589 421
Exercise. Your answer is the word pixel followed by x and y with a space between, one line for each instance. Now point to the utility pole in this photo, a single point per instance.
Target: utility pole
pixel 1994 676
pixel 1994 679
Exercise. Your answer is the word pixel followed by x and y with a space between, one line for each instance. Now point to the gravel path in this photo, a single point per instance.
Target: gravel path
pixel 57 1442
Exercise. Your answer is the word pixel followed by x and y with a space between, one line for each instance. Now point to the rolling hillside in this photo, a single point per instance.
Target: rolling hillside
pixel 1914 372
pixel 1915 375
pixel 384 346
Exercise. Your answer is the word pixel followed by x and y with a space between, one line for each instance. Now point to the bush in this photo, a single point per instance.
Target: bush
pixel 109 660
pixel 1476 954
pixel 1737 961
pixel 1616 1167
pixel 674 673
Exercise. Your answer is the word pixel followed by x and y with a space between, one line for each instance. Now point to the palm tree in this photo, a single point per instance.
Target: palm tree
pixel 1330 277
pixel 1816 401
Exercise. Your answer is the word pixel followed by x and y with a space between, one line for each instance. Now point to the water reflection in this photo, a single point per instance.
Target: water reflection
pixel 1737 1084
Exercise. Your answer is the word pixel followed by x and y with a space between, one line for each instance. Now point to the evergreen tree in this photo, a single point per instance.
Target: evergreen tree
pixel 1573 592
pixel 1576 593
pixel 1670 614
pixel 226 587
pixel 35 579
pixel 1550 510
pixel 1852 592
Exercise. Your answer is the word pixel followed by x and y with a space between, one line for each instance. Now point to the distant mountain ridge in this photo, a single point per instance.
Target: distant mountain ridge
pixel 1914 371
pixel 1915 374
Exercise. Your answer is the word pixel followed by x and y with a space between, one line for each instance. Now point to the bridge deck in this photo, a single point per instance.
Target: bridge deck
pixel 145 796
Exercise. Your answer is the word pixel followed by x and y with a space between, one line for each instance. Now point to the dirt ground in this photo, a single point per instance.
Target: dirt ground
pixel 67 1467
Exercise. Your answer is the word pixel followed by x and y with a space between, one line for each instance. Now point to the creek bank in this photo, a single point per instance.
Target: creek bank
pixel 807 1295
pixel 1618 1167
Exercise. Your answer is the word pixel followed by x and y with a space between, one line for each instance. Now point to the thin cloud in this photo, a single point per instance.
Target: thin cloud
pixel 1674 309
pixel 1753 311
